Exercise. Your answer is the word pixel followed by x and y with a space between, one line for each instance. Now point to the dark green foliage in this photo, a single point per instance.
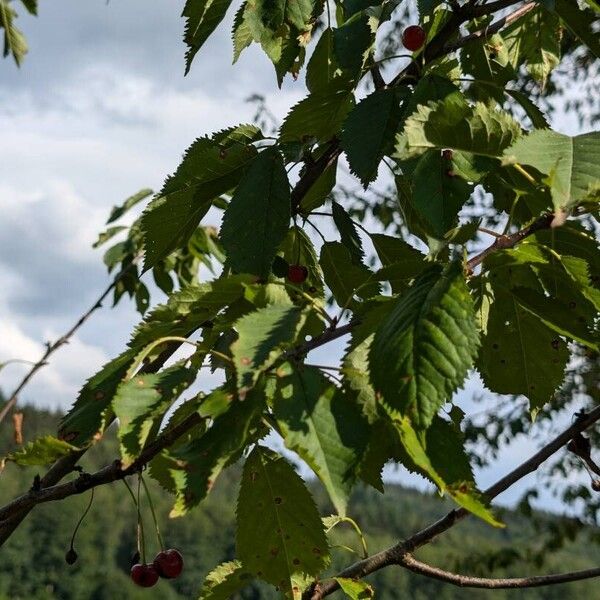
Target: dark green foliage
pixel 258 216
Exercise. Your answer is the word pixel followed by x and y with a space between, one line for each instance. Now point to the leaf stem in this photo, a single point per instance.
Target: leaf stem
pixel 148 349
pixel 525 174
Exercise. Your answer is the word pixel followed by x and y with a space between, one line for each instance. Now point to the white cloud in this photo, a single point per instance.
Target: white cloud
pixel 56 384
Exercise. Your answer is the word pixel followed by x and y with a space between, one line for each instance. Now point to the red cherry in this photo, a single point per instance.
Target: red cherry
pixel 413 37
pixel 297 273
pixel 144 575
pixel 169 563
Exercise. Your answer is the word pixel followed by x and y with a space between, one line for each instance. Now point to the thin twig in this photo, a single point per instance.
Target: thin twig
pixel 416 566
pixel 64 339
pixel 493 28
pixel 509 241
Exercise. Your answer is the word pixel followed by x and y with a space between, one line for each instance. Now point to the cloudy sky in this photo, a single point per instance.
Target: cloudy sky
pixel 100 109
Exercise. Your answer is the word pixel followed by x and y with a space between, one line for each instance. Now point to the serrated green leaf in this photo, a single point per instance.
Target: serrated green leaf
pixel 320 190
pixel 452 123
pixel 355 589
pixel 487 59
pixel 572 240
pixel 571 163
pixel 462 491
pixel 261 336
pixel 556 316
pixel 318 117
pixel 401 274
pixel 87 416
pixel 392 250
pixel 535 40
pixel 224 581
pixel 118 211
pixel 431 87
pixel 368 132
pixel 141 403
pixel 14 40
pixel 282 28
pixel 355 368
pixel 187 309
pixel 348 233
pixel 438 194
pixel 422 351
pixel 532 110
pixel 258 216
pixel 42 451
pixel 240 33
pixel 322 69
pixel 210 167
pixel 324 427
pixel 343 277
pixel 192 468
pixel 519 354
pixel 201 18
pixel 351 43
pixel 287 542
pixel 581 23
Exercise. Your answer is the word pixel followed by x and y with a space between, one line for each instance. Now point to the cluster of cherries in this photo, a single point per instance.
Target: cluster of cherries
pixel 168 564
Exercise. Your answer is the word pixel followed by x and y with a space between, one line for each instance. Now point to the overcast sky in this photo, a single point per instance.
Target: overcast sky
pixel 100 109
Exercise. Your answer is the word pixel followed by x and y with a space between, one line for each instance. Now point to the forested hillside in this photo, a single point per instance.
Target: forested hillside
pixel 33 566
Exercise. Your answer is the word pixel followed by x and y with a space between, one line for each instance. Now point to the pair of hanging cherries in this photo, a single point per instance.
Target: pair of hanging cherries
pixel 167 564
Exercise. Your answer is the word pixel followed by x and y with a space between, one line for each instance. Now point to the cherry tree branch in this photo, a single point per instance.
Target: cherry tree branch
pixel 49 490
pixel 494 27
pixel 51 348
pixel 509 241
pixel 416 566
pixel 65 465
pixel 395 554
pixel 108 474
pixel 490 8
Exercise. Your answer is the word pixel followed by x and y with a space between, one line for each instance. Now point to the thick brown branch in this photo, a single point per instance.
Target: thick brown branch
pixel 106 475
pixel 64 339
pixel 409 562
pixel 509 241
pixel 395 554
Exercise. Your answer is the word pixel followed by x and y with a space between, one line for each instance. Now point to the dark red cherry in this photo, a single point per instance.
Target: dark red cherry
pixel 71 557
pixel 297 273
pixel 144 575
pixel 169 563
pixel 413 38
